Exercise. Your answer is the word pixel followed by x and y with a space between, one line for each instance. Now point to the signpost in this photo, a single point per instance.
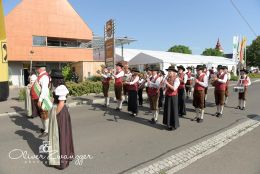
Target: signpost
pixel 109 36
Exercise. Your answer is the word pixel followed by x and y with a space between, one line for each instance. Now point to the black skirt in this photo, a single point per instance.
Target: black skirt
pixel 170 114
pixel 132 101
pixel 65 137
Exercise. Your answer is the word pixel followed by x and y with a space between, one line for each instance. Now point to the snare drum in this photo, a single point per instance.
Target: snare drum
pixel 239 89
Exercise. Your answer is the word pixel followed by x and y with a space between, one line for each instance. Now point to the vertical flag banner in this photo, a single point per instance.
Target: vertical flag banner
pixel 4 86
pixel 242 50
pixel 235 48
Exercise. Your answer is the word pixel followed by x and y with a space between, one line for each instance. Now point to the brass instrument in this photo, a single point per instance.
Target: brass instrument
pixel 213 79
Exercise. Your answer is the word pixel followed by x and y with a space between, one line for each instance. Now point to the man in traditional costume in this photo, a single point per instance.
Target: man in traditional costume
pixel 201 82
pixel 181 90
pixel 106 77
pixel 132 92
pixel 227 84
pixel 220 87
pixel 153 84
pixel 44 104
pixel 170 113
pixel 243 81
pixel 207 73
pixel 61 148
pixel 188 85
pixel 119 85
pixel 127 77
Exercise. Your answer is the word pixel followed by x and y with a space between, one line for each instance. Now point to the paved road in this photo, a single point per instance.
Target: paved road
pixel 117 141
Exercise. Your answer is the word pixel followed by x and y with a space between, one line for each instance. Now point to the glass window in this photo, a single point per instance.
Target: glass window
pixel 53 42
pixel 39 41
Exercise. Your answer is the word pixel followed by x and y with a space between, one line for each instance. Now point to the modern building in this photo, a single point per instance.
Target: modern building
pixel 49 32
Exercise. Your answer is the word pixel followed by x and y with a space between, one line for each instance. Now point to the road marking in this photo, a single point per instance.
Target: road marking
pixel 190 155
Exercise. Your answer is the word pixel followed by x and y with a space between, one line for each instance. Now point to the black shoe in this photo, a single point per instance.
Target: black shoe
pixel 219 115
pixel 118 109
pixel 243 108
pixel 194 119
pixel 44 134
pixel 199 120
pixel 238 107
pixel 42 130
pixel 124 102
pixel 169 128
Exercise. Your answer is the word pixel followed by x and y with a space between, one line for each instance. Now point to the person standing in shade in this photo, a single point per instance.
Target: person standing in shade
pixel 60 130
pixel 244 81
pixel 188 85
pixel 220 87
pixel 119 85
pixel 132 92
pixel 181 90
pixel 170 113
pixel 153 92
pixel 34 97
pixel 141 84
pixel 74 77
pixel 41 87
pixel 201 82
pixel 106 77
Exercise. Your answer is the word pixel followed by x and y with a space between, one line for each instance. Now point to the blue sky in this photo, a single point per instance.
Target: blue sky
pixel 157 25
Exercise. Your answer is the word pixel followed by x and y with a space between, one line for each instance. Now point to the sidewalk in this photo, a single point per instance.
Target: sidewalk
pixel 13 106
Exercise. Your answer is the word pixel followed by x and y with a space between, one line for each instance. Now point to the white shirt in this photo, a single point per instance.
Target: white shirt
pixel 135 80
pixel 224 80
pixel 246 78
pixel 185 78
pixel 33 78
pixel 44 82
pixel 62 92
pixel 176 84
pixel 121 74
pixel 205 81
pixel 155 84
pixel 140 81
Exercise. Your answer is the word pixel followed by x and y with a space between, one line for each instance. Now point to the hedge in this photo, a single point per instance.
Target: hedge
pixel 254 75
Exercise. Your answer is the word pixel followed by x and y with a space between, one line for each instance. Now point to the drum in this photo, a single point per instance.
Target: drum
pixel 239 89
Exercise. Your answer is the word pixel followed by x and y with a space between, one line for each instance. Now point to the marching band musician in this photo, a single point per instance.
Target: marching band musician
pixel 219 82
pixel 106 77
pixel 189 82
pixel 227 84
pixel 127 77
pixel 161 90
pixel 181 90
pixel 119 84
pixel 153 92
pixel 201 82
pixel 132 88
pixel 141 84
pixel 170 114
pixel 244 81
pixel 207 73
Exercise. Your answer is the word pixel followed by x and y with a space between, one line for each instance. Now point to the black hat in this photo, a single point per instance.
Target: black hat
pixel 181 67
pixel 154 68
pixel 162 72
pixel 244 70
pixel 119 64
pixel 220 67
pixel 204 66
pixel 40 66
pixel 189 68
pixel 200 67
pixel 56 74
pixel 172 68
pixel 225 67
pixel 134 69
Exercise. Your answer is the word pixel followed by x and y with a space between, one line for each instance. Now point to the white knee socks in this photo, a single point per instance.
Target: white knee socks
pixel 46 125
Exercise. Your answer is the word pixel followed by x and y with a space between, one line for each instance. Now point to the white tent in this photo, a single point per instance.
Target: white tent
pixel 164 59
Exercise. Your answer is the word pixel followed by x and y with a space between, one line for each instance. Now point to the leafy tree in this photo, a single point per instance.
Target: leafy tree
pixel 212 52
pixel 180 49
pixel 253 53
pixel 67 72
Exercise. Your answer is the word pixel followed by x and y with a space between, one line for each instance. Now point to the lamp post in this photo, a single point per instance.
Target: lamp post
pixel 31 54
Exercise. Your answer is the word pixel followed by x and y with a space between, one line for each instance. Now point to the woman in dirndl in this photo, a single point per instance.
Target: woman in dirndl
pixel 170 114
pixel 60 130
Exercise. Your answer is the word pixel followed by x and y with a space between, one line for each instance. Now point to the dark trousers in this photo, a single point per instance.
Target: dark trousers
pixel 140 96
pixel 181 102
pixel 132 101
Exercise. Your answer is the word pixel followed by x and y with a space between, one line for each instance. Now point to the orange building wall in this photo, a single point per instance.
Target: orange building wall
pixel 53 18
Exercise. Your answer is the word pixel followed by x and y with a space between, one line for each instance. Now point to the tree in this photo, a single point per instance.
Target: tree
pixel 212 52
pixel 253 53
pixel 180 49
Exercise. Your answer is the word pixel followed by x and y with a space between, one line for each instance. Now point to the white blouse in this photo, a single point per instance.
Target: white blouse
pixel 62 92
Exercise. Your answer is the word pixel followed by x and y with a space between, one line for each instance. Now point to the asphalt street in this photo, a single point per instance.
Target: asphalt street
pixel 117 142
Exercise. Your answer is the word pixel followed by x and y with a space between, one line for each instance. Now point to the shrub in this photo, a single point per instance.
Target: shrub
pixel 254 75
pixel 86 87
pixel 67 72
pixel 94 78
pixel 234 78
pixel 22 94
